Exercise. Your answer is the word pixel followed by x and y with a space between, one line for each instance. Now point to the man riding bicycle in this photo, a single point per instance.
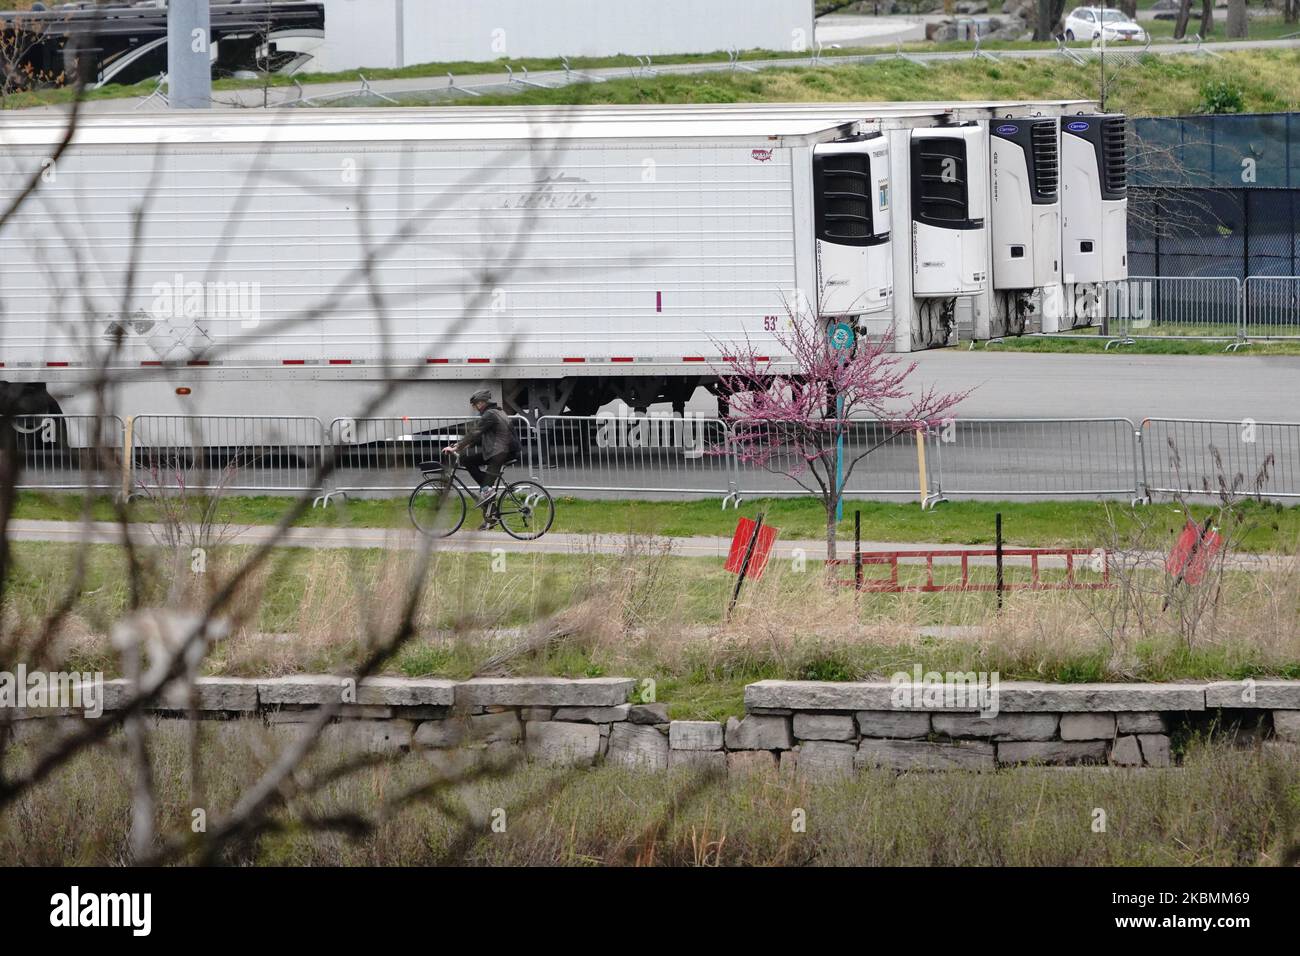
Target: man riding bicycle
pixel 489 442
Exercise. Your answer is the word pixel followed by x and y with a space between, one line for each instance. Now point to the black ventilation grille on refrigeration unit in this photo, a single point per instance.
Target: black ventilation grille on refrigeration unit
pixel 939 187
pixel 1047 161
pixel 842 198
pixel 1114 157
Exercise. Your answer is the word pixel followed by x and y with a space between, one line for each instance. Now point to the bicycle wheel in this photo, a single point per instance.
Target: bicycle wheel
pixel 437 509
pixel 525 510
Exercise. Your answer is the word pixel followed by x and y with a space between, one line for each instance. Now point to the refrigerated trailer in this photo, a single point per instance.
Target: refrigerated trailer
pixel 298 262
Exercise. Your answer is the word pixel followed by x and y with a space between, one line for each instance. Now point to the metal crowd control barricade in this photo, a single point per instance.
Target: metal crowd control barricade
pixel 639 455
pixel 373 455
pixel 1184 456
pixel 265 454
pixel 880 459
pixel 1035 457
pixel 1193 307
pixel 69 452
pixel 1271 308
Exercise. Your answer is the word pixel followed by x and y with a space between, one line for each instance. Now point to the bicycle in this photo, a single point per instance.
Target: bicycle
pixel 524 509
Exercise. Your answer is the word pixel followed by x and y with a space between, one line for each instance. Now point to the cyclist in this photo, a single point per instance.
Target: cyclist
pixel 490 442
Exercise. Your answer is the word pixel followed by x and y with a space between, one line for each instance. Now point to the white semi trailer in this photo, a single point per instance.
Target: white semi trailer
pixel 296 262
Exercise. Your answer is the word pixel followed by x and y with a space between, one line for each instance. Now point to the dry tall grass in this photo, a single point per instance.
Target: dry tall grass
pixel 1225 806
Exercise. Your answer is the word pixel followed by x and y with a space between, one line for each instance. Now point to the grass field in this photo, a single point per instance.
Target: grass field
pixel 1222 807
pixel 1091 343
pixel 650 613
pixel 1272 527
pixel 1268 79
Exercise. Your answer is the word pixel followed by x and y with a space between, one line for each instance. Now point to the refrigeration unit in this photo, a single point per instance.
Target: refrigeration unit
pixel 946 169
pixel 1025 227
pixel 1094 217
pixel 851 223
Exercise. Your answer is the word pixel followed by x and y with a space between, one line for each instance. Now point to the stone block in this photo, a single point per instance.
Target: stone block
pixel 638 746
pixel 695 735
pixel 593 715
pixel 758 732
pixel 1126 752
pixel 1286 724
pixel 1052 751
pixel 407 691
pixel 826 758
pixel 440 733
pixel 898 724
pixel 1254 694
pixel 544 691
pixel 1142 722
pixel 1001 727
pixel 1155 749
pixel 560 743
pixel 1087 726
pixel 1013 696
pixel 824 727
pixel 648 714
pixel 304 689
pixel 925 755
pixel 213 693
pixel 491 728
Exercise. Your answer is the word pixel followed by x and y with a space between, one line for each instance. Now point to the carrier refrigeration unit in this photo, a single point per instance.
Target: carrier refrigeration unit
pixel 1025 233
pixel 1094 218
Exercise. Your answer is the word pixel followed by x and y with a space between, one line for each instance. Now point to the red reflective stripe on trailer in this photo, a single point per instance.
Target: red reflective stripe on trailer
pixel 293 362
pixel 437 361
pixel 151 362
pixel 659 301
pixel 574 360
pixel 340 361
pixel 761 358
pixel 692 358
pixel 56 364
pixel 197 362
pixel 622 358
pixel 478 361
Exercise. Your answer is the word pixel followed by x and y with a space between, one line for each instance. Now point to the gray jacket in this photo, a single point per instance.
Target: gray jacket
pixel 491 433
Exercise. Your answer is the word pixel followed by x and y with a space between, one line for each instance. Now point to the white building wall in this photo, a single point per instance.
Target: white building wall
pixel 391 33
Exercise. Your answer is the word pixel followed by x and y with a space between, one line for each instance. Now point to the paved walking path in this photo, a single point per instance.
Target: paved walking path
pixel 107 532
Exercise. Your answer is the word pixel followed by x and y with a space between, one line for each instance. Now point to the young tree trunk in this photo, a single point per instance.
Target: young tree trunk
pixel 1207 18
pixel 1129 8
pixel 1291 10
pixel 1184 14
pixel 1237 22
pixel 830 528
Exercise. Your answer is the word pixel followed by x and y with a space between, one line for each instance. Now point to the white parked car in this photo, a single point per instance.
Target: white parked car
pixel 1088 23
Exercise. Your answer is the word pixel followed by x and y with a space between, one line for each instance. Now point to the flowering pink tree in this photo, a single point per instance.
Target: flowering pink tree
pixel 787 422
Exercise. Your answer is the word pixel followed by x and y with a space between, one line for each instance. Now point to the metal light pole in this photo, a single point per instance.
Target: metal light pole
pixel 189 55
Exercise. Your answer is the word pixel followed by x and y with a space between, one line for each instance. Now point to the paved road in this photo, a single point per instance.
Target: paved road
pixel 104 532
pixel 1027 385
pixel 1046 385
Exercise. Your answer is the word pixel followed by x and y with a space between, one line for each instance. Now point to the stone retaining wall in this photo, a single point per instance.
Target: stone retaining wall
pixel 809 727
